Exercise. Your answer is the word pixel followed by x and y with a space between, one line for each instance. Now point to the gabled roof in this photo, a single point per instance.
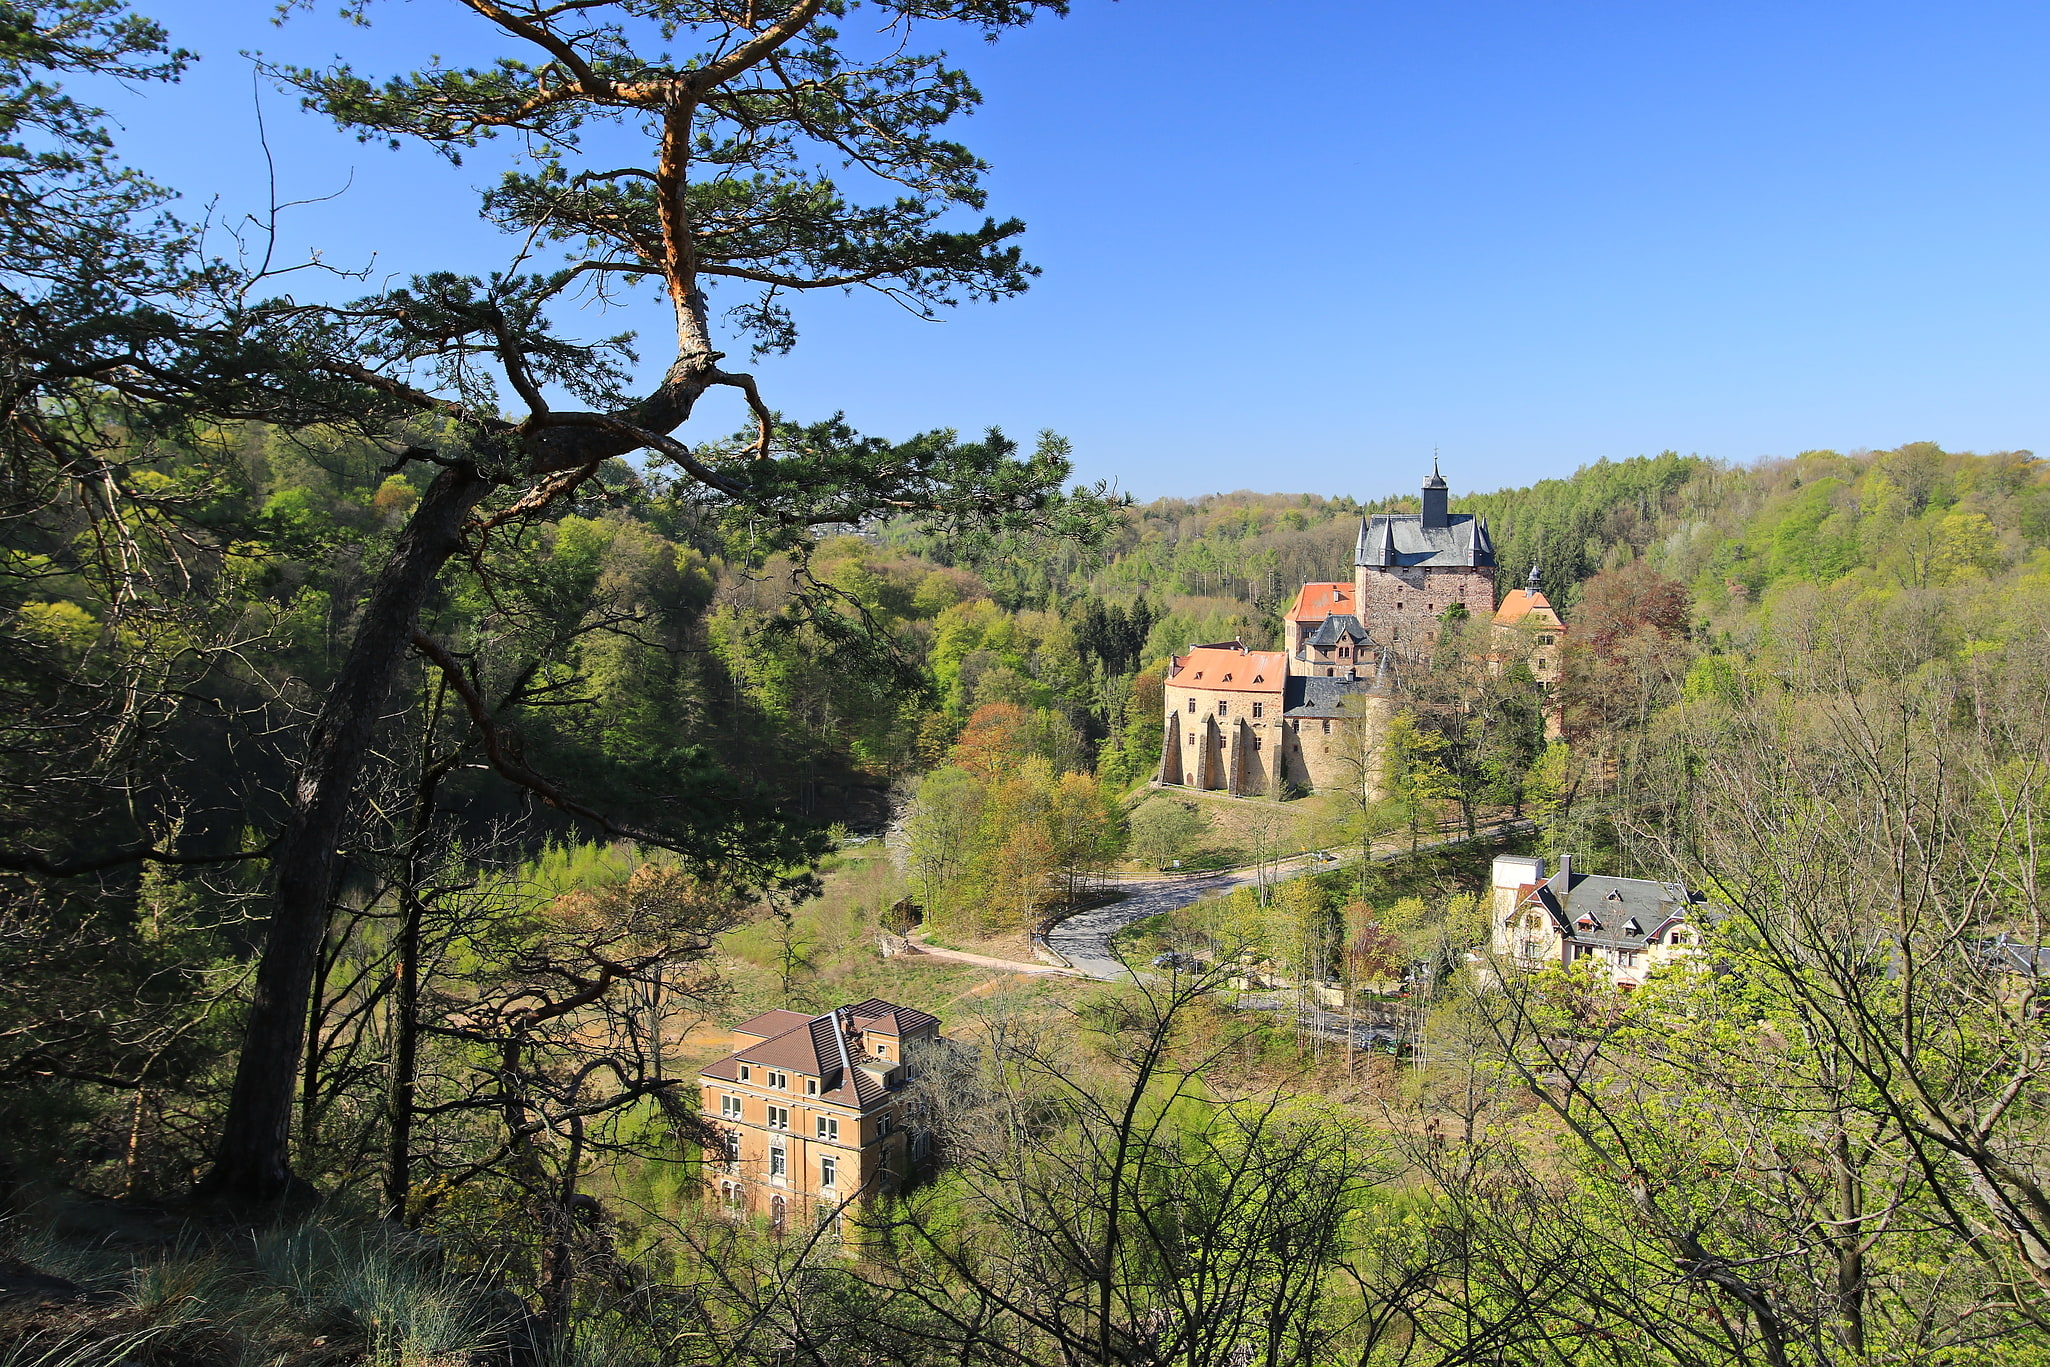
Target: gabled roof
pixel 885 1018
pixel 1230 669
pixel 1315 602
pixel 1340 628
pixel 1596 909
pixel 1519 605
pixel 814 1047
pixel 1402 539
pixel 1317 696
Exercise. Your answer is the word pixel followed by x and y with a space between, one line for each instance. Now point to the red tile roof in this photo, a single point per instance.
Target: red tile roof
pixel 1521 604
pixel 1224 669
pixel 1315 602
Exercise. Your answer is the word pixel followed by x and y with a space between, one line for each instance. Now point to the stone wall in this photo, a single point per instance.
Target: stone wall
pixel 1401 605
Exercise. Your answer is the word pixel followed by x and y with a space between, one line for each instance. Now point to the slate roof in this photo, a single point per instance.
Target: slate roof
pixel 1621 913
pixel 1340 628
pixel 1315 696
pixel 2015 956
pixel 1402 539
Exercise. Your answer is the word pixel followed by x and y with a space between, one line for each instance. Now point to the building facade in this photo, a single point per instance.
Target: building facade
pixel 1629 926
pixel 1310 716
pixel 810 1111
pixel 1528 627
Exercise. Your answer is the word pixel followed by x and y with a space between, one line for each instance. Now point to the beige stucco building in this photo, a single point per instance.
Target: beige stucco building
pixel 810 1109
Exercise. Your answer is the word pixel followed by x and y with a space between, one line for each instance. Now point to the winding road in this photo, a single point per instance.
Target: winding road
pixel 1084 938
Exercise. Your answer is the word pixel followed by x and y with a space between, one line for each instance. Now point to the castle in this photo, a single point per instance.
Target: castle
pixel 1269 723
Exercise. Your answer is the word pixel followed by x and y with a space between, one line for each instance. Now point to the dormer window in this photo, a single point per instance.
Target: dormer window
pixel 1630 927
pixel 1199 673
pixel 1587 922
pixel 1226 679
pixel 746 1073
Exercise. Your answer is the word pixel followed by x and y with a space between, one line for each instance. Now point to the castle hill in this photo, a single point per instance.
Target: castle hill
pixel 666 705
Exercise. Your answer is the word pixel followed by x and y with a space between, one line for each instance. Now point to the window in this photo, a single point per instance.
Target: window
pixel 883 1124
pixel 829 1171
pixel 746 1072
pixel 779 1161
pixel 1531 949
pixel 1192 704
pixel 1544 638
pixel 779 1117
pixel 779 1211
pixel 1327 728
pixel 1259 710
pixel 1345 652
pixel 777 1079
pixel 829 1129
pixel 1626 958
pixel 729 1106
pixel 882 1049
pixel 1223 708
pixel 733 1195
pixel 811 1086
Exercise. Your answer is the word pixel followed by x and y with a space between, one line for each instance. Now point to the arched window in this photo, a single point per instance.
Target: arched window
pixel 779 1211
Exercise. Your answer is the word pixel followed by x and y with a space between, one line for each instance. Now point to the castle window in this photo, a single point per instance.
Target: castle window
pixel 1327 728
pixel 1192 704
pixel 1544 639
pixel 1223 708
pixel 1259 709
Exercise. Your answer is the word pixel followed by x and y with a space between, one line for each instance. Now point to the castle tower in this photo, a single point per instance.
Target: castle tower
pixel 1409 568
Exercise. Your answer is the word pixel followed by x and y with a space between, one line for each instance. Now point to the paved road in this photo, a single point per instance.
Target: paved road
pixel 1084 938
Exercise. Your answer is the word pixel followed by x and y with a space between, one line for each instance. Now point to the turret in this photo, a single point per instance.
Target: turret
pixel 1435 495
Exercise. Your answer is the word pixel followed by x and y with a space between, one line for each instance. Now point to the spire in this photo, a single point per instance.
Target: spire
pixel 1359 546
pixel 1434 498
pixel 1533 576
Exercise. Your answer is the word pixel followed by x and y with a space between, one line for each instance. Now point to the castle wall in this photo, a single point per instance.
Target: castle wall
pixel 1327 760
pixel 1401 604
pixel 1234 753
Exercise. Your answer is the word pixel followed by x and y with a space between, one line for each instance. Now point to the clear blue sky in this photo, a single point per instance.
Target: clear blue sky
pixel 1295 246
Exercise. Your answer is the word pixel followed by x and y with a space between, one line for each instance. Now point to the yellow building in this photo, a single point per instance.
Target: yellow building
pixel 810 1109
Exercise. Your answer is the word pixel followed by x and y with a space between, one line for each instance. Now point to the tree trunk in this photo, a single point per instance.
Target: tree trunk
pixel 253 1160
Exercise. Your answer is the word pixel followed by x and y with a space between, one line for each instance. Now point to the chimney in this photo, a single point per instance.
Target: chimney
pixel 1565 874
pixel 1435 495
